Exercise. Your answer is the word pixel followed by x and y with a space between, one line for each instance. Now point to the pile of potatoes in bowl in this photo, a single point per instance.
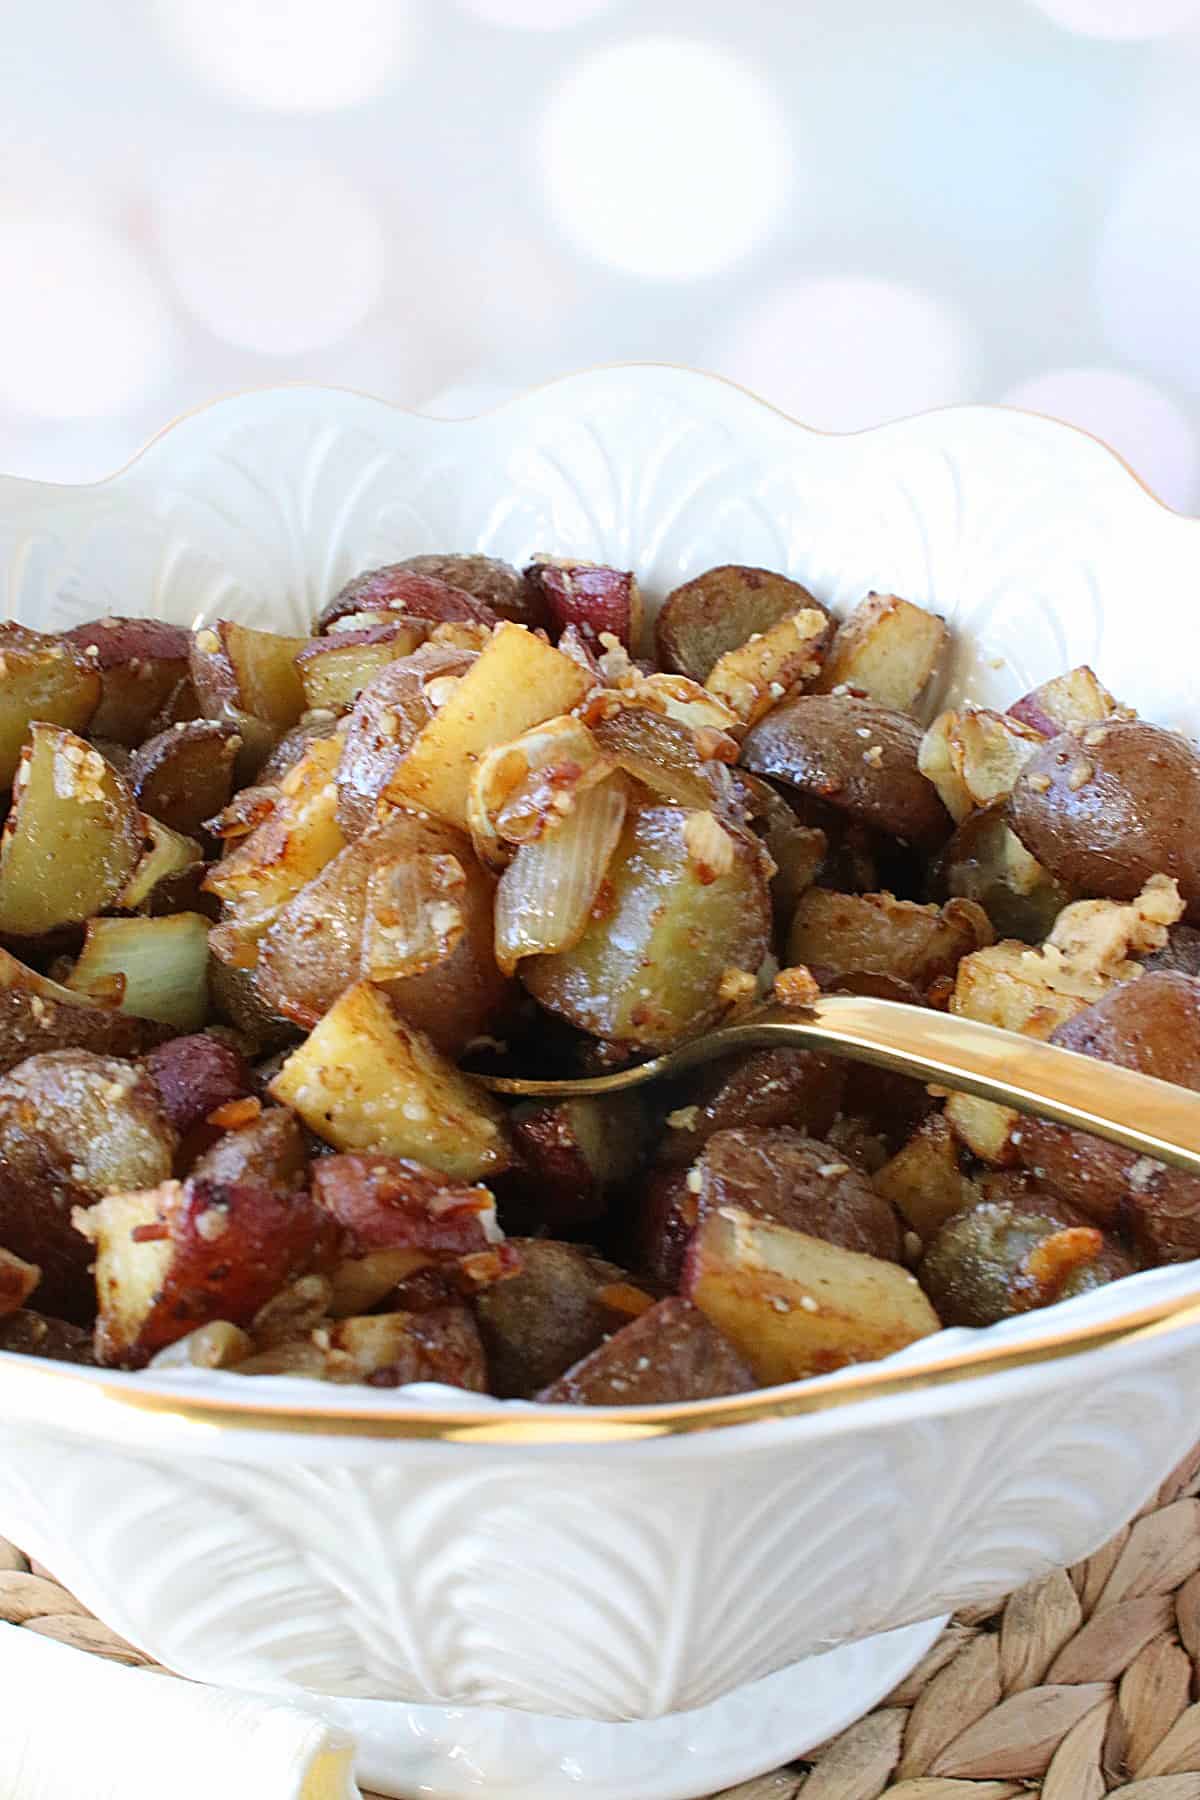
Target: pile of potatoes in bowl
pixel 270 905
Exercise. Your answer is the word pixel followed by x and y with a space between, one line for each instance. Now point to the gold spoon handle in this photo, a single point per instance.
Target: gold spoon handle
pixel 1155 1118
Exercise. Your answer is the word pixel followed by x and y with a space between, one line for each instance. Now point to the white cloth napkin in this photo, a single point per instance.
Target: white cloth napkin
pixel 75 1728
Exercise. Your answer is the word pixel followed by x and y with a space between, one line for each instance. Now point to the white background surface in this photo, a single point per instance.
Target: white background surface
pixel 859 209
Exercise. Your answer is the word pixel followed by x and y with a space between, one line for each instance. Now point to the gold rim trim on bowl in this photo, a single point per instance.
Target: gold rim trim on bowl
pixel 60 1396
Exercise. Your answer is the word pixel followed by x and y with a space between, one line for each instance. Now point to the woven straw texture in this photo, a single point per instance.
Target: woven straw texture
pixel 1084 1684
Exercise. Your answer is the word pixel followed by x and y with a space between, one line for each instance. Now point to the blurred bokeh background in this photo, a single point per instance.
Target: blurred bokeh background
pixel 858 209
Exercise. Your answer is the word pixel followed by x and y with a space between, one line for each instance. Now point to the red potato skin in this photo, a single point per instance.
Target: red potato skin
pixel 799 1182
pixel 395 588
pixel 31 1024
pixel 669 1353
pixel 196 1074
pixel 29 1333
pixel 140 662
pixel 719 610
pixel 768 1087
pixel 441 1344
pixel 814 742
pixel 234 1245
pixel 552 1173
pixel 485 578
pixel 270 1147
pixel 116 640
pixel 663 1225
pixel 1106 811
pixel 184 776
pixel 391 1203
pixel 592 598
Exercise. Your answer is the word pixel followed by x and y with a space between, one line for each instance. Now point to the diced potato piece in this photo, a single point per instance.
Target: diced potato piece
pixel 974 757
pixel 184 776
pixel 265 869
pixel 335 670
pixel 750 679
pixel 924 1180
pixel 888 649
pixel 878 934
pixel 140 663
pixel 72 839
pixel 179 1255
pixel 161 966
pixel 601 602
pixel 670 1352
pixel 43 678
pixel 689 907
pixel 514 683
pixel 1070 702
pixel 364 1080
pixel 794 1305
pixel 236 670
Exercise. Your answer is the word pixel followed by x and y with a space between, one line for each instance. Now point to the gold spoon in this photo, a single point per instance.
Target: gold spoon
pixel 1153 1117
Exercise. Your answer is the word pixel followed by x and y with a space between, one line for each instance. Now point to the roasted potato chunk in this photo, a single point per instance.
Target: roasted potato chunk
pixel 486 578
pixel 689 907
pixel 74 1126
pixel 671 1352
pixel 140 663
pixel 547 1317
pixel 878 934
pixel 336 669
pixel 721 610
pixel 800 1088
pixel 32 1334
pixel 985 861
pixel 268 1147
pixel 379 596
pixel 195 1076
pixel 45 678
pixel 777 1173
pixel 365 1080
pixel 750 679
pixel 1070 702
pixel 925 1180
pixel 794 1305
pixel 516 682
pixel 72 840
pixel 570 1154
pixel 33 1020
pixel 261 872
pixel 393 1203
pixel 388 1350
pixel 180 1255
pixel 336 930
pixel 239 672
pixel 184 776
pixel 1105 811
pixel 1153 1025
pixel 600 602
pixel 887 650
pixel 1006 1257
pixel 665 1209
pixel 860 757
pixel 388 715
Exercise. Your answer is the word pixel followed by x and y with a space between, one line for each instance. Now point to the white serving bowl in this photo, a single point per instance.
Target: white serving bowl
pixel 604 1602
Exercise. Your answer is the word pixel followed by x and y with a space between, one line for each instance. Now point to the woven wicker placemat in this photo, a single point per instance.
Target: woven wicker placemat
pixel 1083 1684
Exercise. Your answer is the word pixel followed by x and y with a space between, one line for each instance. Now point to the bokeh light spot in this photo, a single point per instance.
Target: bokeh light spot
pixel 1139 421
pixel 290 55
pixel 1122 18
pixel 536 15
pixel 1147 272
pixel 272 254
pixel 84 331
pixel 664 157
pixel 845 352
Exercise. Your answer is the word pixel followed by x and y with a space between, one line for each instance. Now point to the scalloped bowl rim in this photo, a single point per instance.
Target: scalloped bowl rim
pixel 102 1402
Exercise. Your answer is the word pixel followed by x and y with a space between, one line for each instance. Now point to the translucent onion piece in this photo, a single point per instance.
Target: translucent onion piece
pixel 527 787
pixel 414 916
pixel 547 893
